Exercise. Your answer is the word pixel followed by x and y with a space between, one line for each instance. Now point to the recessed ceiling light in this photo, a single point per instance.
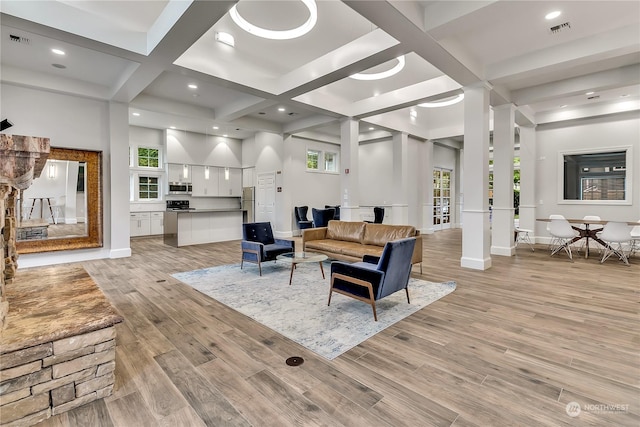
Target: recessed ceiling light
pixel 216 127
pixel 192 86
pixel 413 114
pixel 225 38
pixel 382 75
pixel 225 135
pixel 172 127
pixel 281 109
pixel 58 51
pixel 552 15
pixel 136 114
pixel 589 93
pixel 278 34
pixel 443 103
pixel 371 128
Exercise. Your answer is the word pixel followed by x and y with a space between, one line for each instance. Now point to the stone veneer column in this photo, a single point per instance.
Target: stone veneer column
pixel 21 159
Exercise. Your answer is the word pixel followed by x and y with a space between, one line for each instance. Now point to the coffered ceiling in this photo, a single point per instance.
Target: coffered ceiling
pixel 147 53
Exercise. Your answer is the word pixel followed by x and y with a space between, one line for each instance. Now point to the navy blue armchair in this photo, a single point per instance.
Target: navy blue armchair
pixel 258 244
pixel 336 214
pixel 375 277
pixel 301 217
pixel 378 215
pixel 321 217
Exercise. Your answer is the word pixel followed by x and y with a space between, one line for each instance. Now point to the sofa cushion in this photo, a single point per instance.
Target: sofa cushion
pixel 335 246
pixel 348 231
pixel 380 234
pixel 358 251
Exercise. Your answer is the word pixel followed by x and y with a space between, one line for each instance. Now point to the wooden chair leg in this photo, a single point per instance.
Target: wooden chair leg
pixel 330 292
pixel 407 290
pixel 373 307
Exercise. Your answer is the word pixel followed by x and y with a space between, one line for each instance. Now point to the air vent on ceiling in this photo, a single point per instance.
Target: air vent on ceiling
pixel 19 39
pixel 593 97
pixel 560 27
pixel 292 114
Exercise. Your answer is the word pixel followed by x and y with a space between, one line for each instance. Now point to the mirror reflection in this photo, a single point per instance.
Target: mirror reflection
pixel 62 209
pixel 55 205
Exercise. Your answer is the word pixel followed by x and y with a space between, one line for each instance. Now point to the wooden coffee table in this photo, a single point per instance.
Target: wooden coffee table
pixel 295 258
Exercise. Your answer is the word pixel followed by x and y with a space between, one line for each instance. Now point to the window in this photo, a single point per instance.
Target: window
pixel 148 157
pixel 146 173
pixel 597 177
pixel 322 161
pixel 330 162
pixel 312 159
pixel 148 188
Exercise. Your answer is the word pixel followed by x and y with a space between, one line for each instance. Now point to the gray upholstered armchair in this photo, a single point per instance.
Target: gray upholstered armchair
pixel 375 277
pixel 258 244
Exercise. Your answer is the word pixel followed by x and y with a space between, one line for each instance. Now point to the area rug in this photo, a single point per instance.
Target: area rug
pixel 300 311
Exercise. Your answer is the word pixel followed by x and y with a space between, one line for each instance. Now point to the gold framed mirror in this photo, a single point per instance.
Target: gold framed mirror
pixel 62 209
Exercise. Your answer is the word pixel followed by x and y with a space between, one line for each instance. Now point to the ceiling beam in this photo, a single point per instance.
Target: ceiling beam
pixel 193 23
pixel 392 21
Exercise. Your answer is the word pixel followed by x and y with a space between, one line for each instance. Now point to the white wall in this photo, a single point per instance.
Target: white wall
pixel 376 173
pixel 70 122
pixel 594 133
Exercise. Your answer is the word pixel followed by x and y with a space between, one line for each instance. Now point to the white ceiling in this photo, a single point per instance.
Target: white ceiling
pixel 146 52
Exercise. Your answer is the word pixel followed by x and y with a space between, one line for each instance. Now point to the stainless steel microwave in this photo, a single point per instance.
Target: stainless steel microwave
pixel 179 188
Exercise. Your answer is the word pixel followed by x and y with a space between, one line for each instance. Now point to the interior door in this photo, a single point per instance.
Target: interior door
pixel 441 198
pixel 266 197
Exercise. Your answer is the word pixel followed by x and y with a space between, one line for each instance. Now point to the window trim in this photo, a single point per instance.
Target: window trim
pixel 628 149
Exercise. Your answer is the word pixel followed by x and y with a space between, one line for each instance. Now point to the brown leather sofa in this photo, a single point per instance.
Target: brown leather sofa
pixel 350 241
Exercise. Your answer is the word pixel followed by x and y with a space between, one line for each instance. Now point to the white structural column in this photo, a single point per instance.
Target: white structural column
pixel 118 200
pixel 349 186
pixel 502 237
pixel 285 181
pixel 475 230
pixel 457 200
pixel 426 176
pixel 400 204
pixel 528 204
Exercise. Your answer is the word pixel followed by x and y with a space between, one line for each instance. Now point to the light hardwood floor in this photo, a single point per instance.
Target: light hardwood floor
pixel 511 346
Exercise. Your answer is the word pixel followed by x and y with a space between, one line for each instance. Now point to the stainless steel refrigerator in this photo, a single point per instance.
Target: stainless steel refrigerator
pixel 248 203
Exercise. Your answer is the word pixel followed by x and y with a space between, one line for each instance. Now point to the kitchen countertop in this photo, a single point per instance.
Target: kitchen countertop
pixel 205 210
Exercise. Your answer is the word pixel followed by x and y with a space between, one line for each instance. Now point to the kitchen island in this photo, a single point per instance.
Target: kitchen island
pixel 193 227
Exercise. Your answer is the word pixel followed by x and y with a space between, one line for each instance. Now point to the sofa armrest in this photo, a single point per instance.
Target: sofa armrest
pixel 313 234
pixel 417 250
pixel 252 251
pixel 355 279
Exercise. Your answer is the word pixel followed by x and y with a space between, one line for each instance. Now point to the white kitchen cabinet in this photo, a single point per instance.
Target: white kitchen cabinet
pixel 205 185
pixel 179 173
pixel 140 224
pixel 157 223
pixel 231 185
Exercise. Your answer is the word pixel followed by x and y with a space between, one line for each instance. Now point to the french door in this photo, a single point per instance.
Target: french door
pixel 441 198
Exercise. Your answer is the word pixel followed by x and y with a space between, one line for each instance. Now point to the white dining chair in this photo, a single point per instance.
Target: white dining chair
pixel 561 236
pixel 615 234
pixel 522 236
